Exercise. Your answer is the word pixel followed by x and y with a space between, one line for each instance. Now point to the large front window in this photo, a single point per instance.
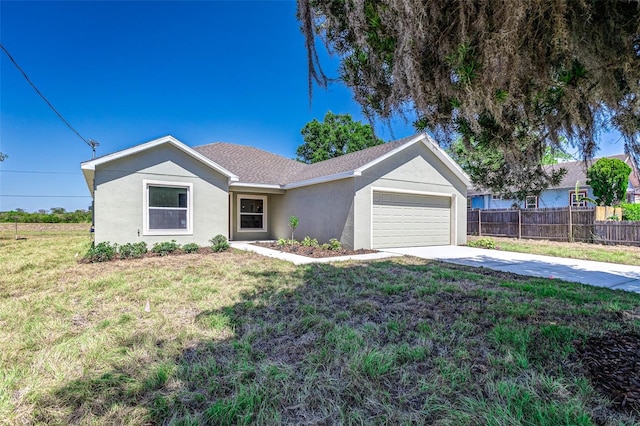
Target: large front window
pixel 252 214
pixel 168 208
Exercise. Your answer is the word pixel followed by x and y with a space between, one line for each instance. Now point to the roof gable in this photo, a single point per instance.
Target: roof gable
pixel 89 167
pixel 353 164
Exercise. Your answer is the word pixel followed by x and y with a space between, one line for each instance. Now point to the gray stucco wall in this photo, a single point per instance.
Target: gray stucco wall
pixel 324 211
pixel 119 196
pixel 413 169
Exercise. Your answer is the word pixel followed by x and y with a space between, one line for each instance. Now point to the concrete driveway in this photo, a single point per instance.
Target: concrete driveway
pixel 609 275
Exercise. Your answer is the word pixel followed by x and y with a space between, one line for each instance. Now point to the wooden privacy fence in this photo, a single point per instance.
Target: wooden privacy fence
pixel 557 224
pixel 614 232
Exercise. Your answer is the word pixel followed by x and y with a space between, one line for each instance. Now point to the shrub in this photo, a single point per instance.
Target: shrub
pixel 101 252
pixel 219 243
pixel 166 247
pixel 309 242
pixel 630 211
pixel 334 244
pixel 487 243
pixel 190 248
pixel 132 250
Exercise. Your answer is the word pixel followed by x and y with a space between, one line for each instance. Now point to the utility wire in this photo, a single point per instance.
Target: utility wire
pixel 89 142
pixel 40 172
pixel 45 196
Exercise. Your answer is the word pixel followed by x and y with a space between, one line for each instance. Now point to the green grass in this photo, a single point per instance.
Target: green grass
pixel 235 338
pixel 625 255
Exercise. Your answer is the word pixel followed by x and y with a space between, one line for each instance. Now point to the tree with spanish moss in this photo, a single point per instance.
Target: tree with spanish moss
pixel 512 77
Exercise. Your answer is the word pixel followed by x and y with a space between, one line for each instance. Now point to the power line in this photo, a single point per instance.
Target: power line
pixel 40 172
pixel 45 196
pixel 89 142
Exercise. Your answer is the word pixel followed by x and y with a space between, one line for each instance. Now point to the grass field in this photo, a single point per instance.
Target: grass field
pixel 626 255
pixel 235 338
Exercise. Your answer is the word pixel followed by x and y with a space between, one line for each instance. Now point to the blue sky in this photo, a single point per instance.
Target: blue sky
pixel 123 73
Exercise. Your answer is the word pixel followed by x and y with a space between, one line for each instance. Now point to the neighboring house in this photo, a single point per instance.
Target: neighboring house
pixel 559 196
pixel 403 193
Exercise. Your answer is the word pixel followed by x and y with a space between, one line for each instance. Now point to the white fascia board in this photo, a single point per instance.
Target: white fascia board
pixel 428 142
pixel 322 179
pixel 257 185
pixel 91 165
pixel 446 159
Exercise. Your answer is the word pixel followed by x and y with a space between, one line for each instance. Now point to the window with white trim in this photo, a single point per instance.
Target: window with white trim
pixel 531 202
pixel 578 201
pixel 168 208
pixel 252 213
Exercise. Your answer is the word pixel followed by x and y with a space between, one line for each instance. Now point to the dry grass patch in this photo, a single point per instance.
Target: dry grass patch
pixel 235 338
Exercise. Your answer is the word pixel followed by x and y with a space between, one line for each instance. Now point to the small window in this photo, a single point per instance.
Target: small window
pixel 496 197
pixel 252 214
pixel 577 201
pixel 531 202
pixel 167 208
pixel 468 202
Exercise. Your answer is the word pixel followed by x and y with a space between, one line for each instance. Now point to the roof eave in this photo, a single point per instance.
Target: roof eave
pixel 89 172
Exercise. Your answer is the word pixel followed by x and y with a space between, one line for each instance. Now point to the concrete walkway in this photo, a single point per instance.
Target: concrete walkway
pixel 304 260
pixel 609 275
pixel 600 274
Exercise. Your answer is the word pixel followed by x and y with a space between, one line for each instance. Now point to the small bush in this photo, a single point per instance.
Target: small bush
pixel 630 211
pixel 190 248
pixel 281 242
pixel 166 247
pixel 132 250
pixel 334 244
pixel 309 242
pixel 101 252
pixel 219 243
pixel 486 243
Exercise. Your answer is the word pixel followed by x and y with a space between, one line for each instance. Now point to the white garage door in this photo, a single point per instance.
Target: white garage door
pixel 405 220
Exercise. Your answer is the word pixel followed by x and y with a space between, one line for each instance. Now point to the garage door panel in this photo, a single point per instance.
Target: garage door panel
pixel 410 220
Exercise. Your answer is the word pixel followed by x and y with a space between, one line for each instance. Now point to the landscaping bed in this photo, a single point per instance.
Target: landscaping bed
pixel 311 251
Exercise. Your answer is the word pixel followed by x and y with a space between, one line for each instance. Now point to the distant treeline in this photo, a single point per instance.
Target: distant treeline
pixel 55 215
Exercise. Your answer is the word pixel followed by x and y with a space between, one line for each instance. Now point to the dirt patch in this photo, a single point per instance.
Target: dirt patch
pixel 315 252
pixel 612 363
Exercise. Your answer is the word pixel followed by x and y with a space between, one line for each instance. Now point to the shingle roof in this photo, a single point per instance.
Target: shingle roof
pixel 253 165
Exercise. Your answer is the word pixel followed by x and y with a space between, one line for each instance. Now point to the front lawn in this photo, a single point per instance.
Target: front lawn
pixel 236 338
